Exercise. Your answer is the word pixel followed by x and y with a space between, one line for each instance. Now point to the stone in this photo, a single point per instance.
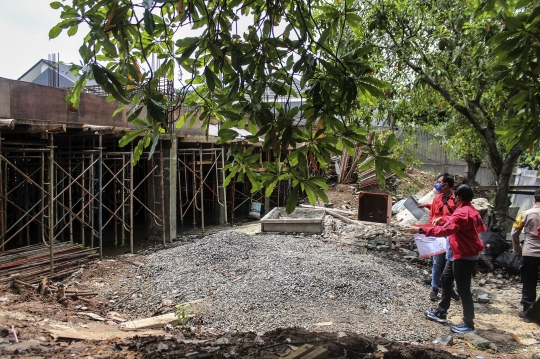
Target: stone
pixel 446 340
pixel 224 340
pixel 166 302
pixel 476 340
pixel 482 282
pixel 407 252
pixel 161 347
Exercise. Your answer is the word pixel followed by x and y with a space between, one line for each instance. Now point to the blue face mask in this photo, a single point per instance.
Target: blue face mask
pixel 438 186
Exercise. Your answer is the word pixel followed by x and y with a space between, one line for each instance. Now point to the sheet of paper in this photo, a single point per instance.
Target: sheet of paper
pixel 429 246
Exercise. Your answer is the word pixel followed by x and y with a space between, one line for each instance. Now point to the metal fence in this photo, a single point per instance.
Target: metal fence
pixel 438 159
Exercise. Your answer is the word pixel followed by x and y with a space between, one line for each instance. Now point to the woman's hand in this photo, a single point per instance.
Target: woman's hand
pixel 436 221
pixel 413 230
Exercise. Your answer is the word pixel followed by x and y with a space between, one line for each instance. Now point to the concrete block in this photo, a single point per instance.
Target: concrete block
pixel 301 220
pixel 476 340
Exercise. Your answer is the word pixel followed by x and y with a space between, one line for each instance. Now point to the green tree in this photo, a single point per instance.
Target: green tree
pixel 517 51
pixel 294 48
pixel 440 46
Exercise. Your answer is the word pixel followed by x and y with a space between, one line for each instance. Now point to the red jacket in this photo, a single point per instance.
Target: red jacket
pixel 437 208
pixel 462 229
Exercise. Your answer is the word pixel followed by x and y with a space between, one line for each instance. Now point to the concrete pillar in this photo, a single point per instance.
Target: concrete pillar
pixel 170 158
pixel 221 208
pixel 170 161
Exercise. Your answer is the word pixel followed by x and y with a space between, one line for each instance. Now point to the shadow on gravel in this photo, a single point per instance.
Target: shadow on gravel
pixel 278 343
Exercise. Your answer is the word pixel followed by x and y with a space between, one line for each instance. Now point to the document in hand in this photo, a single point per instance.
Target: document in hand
pixel 430 246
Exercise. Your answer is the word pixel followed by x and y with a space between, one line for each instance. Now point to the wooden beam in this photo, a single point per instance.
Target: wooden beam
pixel 102 130
pixel 40 128
pixel 531 188
pixel 7 124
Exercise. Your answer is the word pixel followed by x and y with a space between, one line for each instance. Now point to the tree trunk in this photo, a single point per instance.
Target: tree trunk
pixel 473 165
pixel 499 216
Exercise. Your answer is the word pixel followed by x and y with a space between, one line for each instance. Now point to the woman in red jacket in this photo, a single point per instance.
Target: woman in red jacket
pixel 462 229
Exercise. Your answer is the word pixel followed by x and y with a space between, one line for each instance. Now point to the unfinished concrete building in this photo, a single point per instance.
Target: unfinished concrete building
pixel 64 178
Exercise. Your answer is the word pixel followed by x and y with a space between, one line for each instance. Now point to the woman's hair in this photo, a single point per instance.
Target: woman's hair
pixel 464 192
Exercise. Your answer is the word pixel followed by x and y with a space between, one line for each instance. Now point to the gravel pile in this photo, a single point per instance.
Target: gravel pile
pixel 266 281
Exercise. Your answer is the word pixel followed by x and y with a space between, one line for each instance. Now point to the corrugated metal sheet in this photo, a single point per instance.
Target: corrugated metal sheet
pixel 437 159
pixel 524 177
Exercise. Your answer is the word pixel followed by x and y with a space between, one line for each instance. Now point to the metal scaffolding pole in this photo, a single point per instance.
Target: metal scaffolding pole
pixel 43 194
pixel 202 187
pixel 3 220
pixel 83 194
pixel 223 178
pixel 194 193
pixel 100 218
pixel 131 202
pixel 51 201
pixel 123 232
pixel 70 197
pixel 91 198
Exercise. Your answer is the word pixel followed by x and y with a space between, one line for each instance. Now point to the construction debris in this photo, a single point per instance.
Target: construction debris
pixel 47 288
pixel 31 263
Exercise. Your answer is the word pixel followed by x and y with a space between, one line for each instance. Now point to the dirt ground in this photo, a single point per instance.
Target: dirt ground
pixel 46 328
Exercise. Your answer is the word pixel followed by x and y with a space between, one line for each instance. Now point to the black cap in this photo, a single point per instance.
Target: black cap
pixel 537 195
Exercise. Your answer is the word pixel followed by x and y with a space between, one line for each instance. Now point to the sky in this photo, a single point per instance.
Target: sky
pixel 24 36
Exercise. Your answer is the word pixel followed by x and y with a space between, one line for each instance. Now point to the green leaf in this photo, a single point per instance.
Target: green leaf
pixel 73 30
pixel 292 200
pixel 149 23
pixel 209 76
pixel 56 5
pixel 130 137
pixel 187 42
pixel 54 32
pixel 226 135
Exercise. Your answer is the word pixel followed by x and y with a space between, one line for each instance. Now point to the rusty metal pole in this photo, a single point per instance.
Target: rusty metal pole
pixel 180 203
pixel 70 197
pixel 91 197
pixel 100 218
pixel 115 205
pixel 194 192
pixel 202 186
pixel 131 179
pixel 43 197
pixel 233 189
pixel 83 194
pixel 2 199
pixel 123 188
pixel 51 201
pixel 223 178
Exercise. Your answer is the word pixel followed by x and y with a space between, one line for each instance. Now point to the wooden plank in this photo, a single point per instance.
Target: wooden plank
pixel 154 322
pixel 318 353
pixel 40 128
pixel 351 221
pixel 99 331
pixel 300 352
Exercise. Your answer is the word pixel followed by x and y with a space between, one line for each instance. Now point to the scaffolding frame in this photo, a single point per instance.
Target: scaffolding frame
pixel 49 189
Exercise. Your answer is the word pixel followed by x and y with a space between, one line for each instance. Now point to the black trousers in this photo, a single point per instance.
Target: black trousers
pixel 461 271
pixel 529 276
